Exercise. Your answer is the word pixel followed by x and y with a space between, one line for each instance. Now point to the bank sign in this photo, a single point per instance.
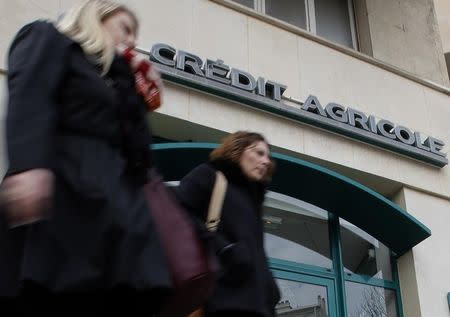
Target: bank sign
pixel 217 78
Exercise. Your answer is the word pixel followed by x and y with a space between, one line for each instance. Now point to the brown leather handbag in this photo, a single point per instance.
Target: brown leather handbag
pixel 191 268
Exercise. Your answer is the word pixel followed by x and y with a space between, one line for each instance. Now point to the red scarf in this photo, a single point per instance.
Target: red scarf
pixel 145 87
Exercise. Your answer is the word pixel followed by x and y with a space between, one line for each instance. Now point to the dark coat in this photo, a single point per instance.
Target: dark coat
pixel 92 133
pixel 254 291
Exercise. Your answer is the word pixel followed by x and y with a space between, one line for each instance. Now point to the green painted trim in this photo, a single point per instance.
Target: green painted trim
pixel 325 282
pixel 301 268
pixel 448 299
pixel 338 263
pixel 398 293
pixel 183 145
pixel 361 279
pixel 355 184
pixel 341 177
pixel 381 215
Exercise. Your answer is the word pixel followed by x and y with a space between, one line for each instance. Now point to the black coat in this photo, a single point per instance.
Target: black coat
pixel 241 223
pixel 92 133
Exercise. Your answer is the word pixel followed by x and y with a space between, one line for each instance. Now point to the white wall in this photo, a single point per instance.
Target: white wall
pixel 406 34
pixel 443 18
pixel 431 257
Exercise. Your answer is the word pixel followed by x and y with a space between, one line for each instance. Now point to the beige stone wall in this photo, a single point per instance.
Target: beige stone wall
pixel 443 18
pixel 14 14
pixel 425 271
pixel 406 34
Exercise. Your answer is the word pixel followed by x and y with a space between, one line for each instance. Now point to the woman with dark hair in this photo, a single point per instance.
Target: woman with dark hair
pixel 75 228
pixel 245 286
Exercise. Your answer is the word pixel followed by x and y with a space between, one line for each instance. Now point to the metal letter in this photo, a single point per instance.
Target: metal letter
pixel 275 90
pixel 435 146
pixel 404 135
pixel 242 80
pixel 372 124
pixel 217 70
pixel 419 143
pixel 357 119
pixel 261 86
pixel 189 63
pixel 336 112
pixel 163 54
pixel 313 105
pixel 387 132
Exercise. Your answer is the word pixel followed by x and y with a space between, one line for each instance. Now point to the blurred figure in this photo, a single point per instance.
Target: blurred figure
pixel 74 223
pixel 245 286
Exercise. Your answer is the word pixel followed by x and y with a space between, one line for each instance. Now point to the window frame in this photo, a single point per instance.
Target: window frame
pixel 336 275
pixel 311 23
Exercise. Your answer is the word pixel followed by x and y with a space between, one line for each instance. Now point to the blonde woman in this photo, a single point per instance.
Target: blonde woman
pixel 74 224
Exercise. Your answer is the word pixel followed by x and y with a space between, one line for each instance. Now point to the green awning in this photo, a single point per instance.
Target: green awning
pixel 316 185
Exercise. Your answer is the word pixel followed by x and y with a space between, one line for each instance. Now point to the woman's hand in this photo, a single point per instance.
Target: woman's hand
pixel 136 61
pixel 27 196
pixel 147 77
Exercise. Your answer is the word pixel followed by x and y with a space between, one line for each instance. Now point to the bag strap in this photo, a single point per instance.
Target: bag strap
pixel 216 202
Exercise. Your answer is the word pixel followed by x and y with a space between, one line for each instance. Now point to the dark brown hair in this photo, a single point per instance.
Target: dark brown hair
pixel 234 145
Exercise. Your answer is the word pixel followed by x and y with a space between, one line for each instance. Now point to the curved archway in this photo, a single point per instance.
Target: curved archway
pixel 319 186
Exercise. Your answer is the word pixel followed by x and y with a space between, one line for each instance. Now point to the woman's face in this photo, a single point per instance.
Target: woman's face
pixel 255 160
pixel 122 28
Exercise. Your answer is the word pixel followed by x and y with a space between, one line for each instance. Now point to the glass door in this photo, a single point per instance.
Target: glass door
pixel 304 296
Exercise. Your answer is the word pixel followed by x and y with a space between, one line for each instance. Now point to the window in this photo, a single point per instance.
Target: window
pixel 447 62
pixel 326 266
pixel 330 19
pixel 362 254
pixel 368 300
pixel 295 233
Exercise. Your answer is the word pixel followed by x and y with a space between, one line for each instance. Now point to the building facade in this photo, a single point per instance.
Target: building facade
pixel 353 97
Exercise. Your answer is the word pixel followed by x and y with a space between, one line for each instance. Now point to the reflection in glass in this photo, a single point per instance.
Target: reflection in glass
pixel 296 231
pixel 363 254
pixel 301 300
pixel 289 11
pixel 368 301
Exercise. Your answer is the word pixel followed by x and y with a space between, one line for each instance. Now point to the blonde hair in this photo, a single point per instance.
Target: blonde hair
pixel 83 24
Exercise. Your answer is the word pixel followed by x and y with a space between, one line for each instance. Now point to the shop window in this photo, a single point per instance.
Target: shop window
pixel 296 231
pixel 362 254
pixel 299 299
pixel 311 249
pixel 330 19
pixel 367 300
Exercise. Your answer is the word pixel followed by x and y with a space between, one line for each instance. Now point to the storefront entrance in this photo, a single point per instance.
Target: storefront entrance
pixel 332 243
